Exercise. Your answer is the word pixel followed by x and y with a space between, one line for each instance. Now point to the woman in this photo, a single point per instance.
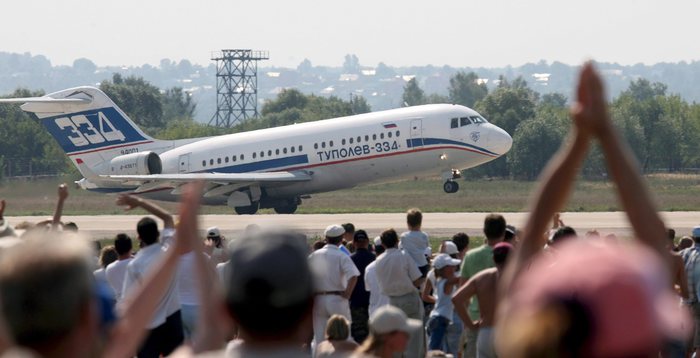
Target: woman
pixel 337 333
pixel 389 329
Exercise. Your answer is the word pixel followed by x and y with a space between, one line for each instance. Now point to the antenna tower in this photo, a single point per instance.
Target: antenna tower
pixel 236 86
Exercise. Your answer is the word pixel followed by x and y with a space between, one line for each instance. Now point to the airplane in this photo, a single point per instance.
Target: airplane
pixel 267 168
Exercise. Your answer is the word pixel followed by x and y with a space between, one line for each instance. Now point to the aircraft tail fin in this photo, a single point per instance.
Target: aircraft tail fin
pixel 87 125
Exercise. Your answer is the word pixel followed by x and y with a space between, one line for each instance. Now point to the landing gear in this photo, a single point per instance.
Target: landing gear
pixel 450 186
pixel 248 210
pixel 289 208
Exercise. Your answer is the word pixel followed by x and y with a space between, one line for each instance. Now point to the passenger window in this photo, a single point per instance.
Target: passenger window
pixel 454 123
pixel 381 135
pixel 292 149
pixel 359 139
pixel 366 138
pixel 323 144
pixel 204 163
pixel 330 143
pixel 277 151
pixel 233 158
pixel 269 153
pixel 301 148
pixel 315 147
pixel 262 154
pixel 284 150
pixel 389 134
pixel 398 133
pixel 254 154
pixel 211 161
pixel 242 157
pixel 464 121
pixel 343 142
pixel 226 159
pixel 351 140
pixel 374 137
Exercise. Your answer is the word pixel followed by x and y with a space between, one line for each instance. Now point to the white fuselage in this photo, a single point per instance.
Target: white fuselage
pixel 344 152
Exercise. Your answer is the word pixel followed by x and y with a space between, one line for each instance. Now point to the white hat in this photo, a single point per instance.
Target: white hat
pixel 428 251
pixel 450 248
pixel 334 231
pixel 213 232
pixel 443 260
pixel 388 319
pixel 378 241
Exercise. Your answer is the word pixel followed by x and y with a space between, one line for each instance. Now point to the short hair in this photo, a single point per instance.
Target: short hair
pixel 461 240
pixel 671 234
pixel 379 249
pixel 494 226
pixel 500 254
pixel 147 230
pixel 360 235
pixel 334 240
pixel 318 244
pixel 43 296
pixel 123 244
pixel 563 233
pixel 70 226
pixel 389 238
pixel 349 227
pixel 108 254
pixel 337 328
pixel 414 217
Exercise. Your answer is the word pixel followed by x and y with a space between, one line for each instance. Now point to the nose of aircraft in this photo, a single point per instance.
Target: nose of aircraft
pixel 499 141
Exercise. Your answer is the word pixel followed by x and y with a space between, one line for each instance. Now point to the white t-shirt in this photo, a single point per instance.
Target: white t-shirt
pixel 116 272
pixel 376 297
pixel 221 271
pixel 136 271
pixel 332 268
pixel 187 279
pixel 414 244
pixel 396 272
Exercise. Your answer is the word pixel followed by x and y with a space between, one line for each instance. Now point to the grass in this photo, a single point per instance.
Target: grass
pixel 673 193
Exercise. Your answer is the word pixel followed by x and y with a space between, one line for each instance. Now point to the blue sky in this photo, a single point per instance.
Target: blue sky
pixel 459 33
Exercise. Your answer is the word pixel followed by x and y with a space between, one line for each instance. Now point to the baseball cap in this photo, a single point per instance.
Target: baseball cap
pixel 269 268
pixel 360 235
pixel 450 247
pixel 387 319
pixel 378 241
pixel 623 288
pixel 443 260
pixel 696 231
pixel 334 231
pixel 213 232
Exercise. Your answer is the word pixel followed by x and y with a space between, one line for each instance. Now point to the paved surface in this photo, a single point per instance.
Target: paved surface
pixel 436 224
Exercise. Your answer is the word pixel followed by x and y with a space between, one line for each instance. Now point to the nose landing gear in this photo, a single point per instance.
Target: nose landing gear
pixel 451 186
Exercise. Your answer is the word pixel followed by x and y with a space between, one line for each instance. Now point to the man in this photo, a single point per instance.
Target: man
pixel 691 258
pixel 166 332
pixel 483 285
pixel 116 271
pixel 270 294
pixel 336 277
pixel 216 246
pixel 400 278
pixel 414 241
pixel 676 268
pixel 462 241
pixel 376 297
pixel 347 237
pixel 475 261
pixel 359 300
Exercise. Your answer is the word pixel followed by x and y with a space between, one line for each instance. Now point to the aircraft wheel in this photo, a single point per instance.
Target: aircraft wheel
pixel 289 208
pixel 247 210
pixel 450 187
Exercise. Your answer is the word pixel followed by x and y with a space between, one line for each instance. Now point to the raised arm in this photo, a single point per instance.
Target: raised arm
pixel 62 196
pixel 132 202
pixel 140 305
pixel 460 301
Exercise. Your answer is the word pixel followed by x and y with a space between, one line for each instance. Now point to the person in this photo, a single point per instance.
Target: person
pixel 691 259
pixel 376 297
pixel 165 330
pixel 216 246
pixel 461 240
pixel 620 305
pixel 449 247
pixel 51 303
pixel 511 236
pixel 348 238
pixel 474 262
pixel 562 234
pixel 685 242
pixel 336 277
pixel 414 241
pixel 399 278
pixel 679 279
pixel 484 286
pixel 187 292
pixel 337 342
pixel 108 255
pixel 359 300
pixel 390 330
pixel 441 315
pixel 116 271
pixel 5 229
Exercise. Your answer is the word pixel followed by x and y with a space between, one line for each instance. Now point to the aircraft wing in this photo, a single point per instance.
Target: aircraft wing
pixel 217 183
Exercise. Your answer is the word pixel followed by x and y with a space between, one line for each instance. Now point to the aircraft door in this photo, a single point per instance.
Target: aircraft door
pixel 184 163
pixel 416 132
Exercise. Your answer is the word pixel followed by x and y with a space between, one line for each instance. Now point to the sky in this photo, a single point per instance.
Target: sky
pixel 459 33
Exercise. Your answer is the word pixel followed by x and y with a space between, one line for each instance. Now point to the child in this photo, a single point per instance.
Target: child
pixel 414 242
pixel 441 315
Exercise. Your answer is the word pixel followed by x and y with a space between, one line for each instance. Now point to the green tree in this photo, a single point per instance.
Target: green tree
pixel 465 90
pixel 288 98
pixel 139 99
pixel 413 95
pixel 534 143
pixel 351 64
pixel 177 105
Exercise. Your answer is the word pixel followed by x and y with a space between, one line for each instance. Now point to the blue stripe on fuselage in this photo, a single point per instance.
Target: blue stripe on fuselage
pixel 417 142
pixel 262 165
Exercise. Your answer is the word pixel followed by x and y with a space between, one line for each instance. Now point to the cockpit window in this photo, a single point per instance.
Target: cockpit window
pixel 464 121
pixel 478 119
pixel 454 123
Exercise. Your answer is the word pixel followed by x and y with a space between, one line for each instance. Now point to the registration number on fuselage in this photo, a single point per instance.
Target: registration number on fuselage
pixel 358 150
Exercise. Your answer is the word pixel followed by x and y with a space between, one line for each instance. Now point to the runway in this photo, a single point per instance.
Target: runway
pixel 435 224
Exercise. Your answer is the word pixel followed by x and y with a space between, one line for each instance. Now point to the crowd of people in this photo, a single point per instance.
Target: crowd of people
pixel 541 290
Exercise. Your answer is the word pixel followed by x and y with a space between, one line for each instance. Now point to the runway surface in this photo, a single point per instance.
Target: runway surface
pixel 435 224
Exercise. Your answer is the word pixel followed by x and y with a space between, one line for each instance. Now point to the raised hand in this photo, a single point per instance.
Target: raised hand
pixel 590 112
pixel 187 236
pixel 127 200
pixel 62 191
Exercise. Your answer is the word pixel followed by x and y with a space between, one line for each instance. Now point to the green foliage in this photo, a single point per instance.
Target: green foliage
pixel 186 128
pixel 465 90
pixel 413 95
pixel 535 141
pixel 139 99
pixel 177 105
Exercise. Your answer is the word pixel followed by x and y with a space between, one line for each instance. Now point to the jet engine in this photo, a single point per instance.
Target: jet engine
pixel 143 163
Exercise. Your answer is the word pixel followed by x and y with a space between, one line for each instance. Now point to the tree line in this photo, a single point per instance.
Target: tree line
pixel 659 126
